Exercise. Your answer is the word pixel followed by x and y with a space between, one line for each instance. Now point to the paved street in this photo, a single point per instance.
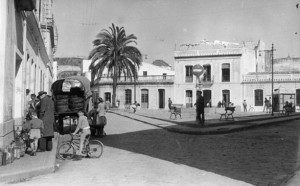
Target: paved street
pixel 141 154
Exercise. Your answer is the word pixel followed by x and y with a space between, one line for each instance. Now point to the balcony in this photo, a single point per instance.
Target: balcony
pixel 277 77
pixel 142 80
pixel 206 82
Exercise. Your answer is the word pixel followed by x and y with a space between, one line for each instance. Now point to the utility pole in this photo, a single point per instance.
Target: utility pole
pixel 272 54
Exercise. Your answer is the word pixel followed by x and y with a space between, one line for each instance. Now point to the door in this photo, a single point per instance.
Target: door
pixel 226 97
pixel 189 98
pixel 161 98
pixel 207 98
pixel 144 98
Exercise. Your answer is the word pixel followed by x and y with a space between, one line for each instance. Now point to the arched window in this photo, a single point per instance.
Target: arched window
pixel 128 96
pixel 258 97
pixel 225 72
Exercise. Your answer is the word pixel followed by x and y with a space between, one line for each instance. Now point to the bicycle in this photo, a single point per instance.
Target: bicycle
pixel 92 148
pixel 251 109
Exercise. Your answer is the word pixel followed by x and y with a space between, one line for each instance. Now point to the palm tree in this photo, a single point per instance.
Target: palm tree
pixel 113 50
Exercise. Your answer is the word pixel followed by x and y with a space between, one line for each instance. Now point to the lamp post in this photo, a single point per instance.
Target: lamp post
pixel 272 80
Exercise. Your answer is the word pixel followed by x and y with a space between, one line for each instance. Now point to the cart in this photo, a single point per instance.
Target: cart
pixel 70 95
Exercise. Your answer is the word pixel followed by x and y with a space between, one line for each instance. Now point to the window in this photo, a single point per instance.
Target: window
pixel 164 75
pixel 144 73
pixel 188 74
pixel 128 96
pixel 226 72
pixel 207 74
pixel 258 96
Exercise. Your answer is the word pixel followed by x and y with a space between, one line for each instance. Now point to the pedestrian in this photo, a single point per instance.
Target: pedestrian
pixel 46 114
pixel 101 118
pixel 33 103
pixel 245 105
pixel 84 126
pixel 265 105
pixel 36 128
pixel 200 108
pixel 134 106
pixel 170 103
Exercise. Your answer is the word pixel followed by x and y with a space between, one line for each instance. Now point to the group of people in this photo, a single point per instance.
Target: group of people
pixel 267 105
pixel 40 121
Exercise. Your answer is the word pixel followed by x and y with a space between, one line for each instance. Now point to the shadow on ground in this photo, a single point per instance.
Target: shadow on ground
pixel 264 156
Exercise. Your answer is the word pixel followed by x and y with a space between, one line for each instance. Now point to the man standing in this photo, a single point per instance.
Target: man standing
pixel 200 108
pixel 245 105
pixel 46 114
pixel 170 103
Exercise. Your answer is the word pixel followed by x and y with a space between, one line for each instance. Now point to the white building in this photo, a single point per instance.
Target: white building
pixel 152 88
pixel 234 72
pixel 25 62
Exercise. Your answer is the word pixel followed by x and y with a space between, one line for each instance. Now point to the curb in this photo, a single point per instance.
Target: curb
pixel 48 166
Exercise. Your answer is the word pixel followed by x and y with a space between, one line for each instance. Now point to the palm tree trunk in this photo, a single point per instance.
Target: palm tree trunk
pixel 115 83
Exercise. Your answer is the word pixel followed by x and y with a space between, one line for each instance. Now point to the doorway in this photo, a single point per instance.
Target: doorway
pixel 145 98
pixel 207 98
pixel 226 97
pixel 189 99
pixel 161 98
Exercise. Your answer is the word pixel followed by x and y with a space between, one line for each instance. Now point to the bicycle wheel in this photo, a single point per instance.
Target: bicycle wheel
pixel 251 109
pixel 66 151
pixel 95 148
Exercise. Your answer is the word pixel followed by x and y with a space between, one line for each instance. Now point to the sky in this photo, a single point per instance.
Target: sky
pixel 161 25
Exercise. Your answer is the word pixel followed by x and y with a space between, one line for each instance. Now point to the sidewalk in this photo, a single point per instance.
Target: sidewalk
pixel 213 125
pixel 29 166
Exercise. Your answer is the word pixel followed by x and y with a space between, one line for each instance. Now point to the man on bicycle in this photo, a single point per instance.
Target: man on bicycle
pixel 84 126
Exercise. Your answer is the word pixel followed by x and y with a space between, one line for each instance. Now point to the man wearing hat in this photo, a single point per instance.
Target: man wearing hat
pixel 46 113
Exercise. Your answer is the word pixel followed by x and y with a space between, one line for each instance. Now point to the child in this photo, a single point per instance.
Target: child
pixel 84 126
pixel 36 127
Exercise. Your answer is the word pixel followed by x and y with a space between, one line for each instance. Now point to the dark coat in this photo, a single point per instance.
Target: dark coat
pixel 47 115
pixel 200 104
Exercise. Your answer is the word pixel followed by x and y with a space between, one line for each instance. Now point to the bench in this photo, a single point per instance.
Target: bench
pixel 228 113
pixel 175 110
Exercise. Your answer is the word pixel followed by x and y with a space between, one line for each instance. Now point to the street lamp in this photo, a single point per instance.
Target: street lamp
pixel 272 63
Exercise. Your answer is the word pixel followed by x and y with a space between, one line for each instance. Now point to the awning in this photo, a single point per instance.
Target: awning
pixel 58 85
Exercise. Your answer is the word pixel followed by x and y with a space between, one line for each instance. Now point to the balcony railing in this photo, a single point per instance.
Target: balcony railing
pixel 150 79
pixel 268 78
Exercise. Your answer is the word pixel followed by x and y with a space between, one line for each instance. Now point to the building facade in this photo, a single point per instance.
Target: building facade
pixel 224 65
pixel 25 61
pixel 152 88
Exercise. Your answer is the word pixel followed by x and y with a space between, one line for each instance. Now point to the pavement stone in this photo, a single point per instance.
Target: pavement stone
pixel 30 166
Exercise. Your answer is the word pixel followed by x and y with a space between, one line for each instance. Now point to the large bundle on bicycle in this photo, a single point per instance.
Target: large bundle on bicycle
pixel 70 95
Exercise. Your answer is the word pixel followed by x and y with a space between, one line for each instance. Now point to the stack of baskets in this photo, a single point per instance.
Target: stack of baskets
pixel 62 103
pixel 76 103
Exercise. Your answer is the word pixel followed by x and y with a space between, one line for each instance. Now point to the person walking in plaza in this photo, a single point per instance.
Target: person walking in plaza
pixel 101 118
pixel 265 105
pixel 245 105
pixel 170 104
pixel 46 114
pixel 36 128
pixel 200 109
